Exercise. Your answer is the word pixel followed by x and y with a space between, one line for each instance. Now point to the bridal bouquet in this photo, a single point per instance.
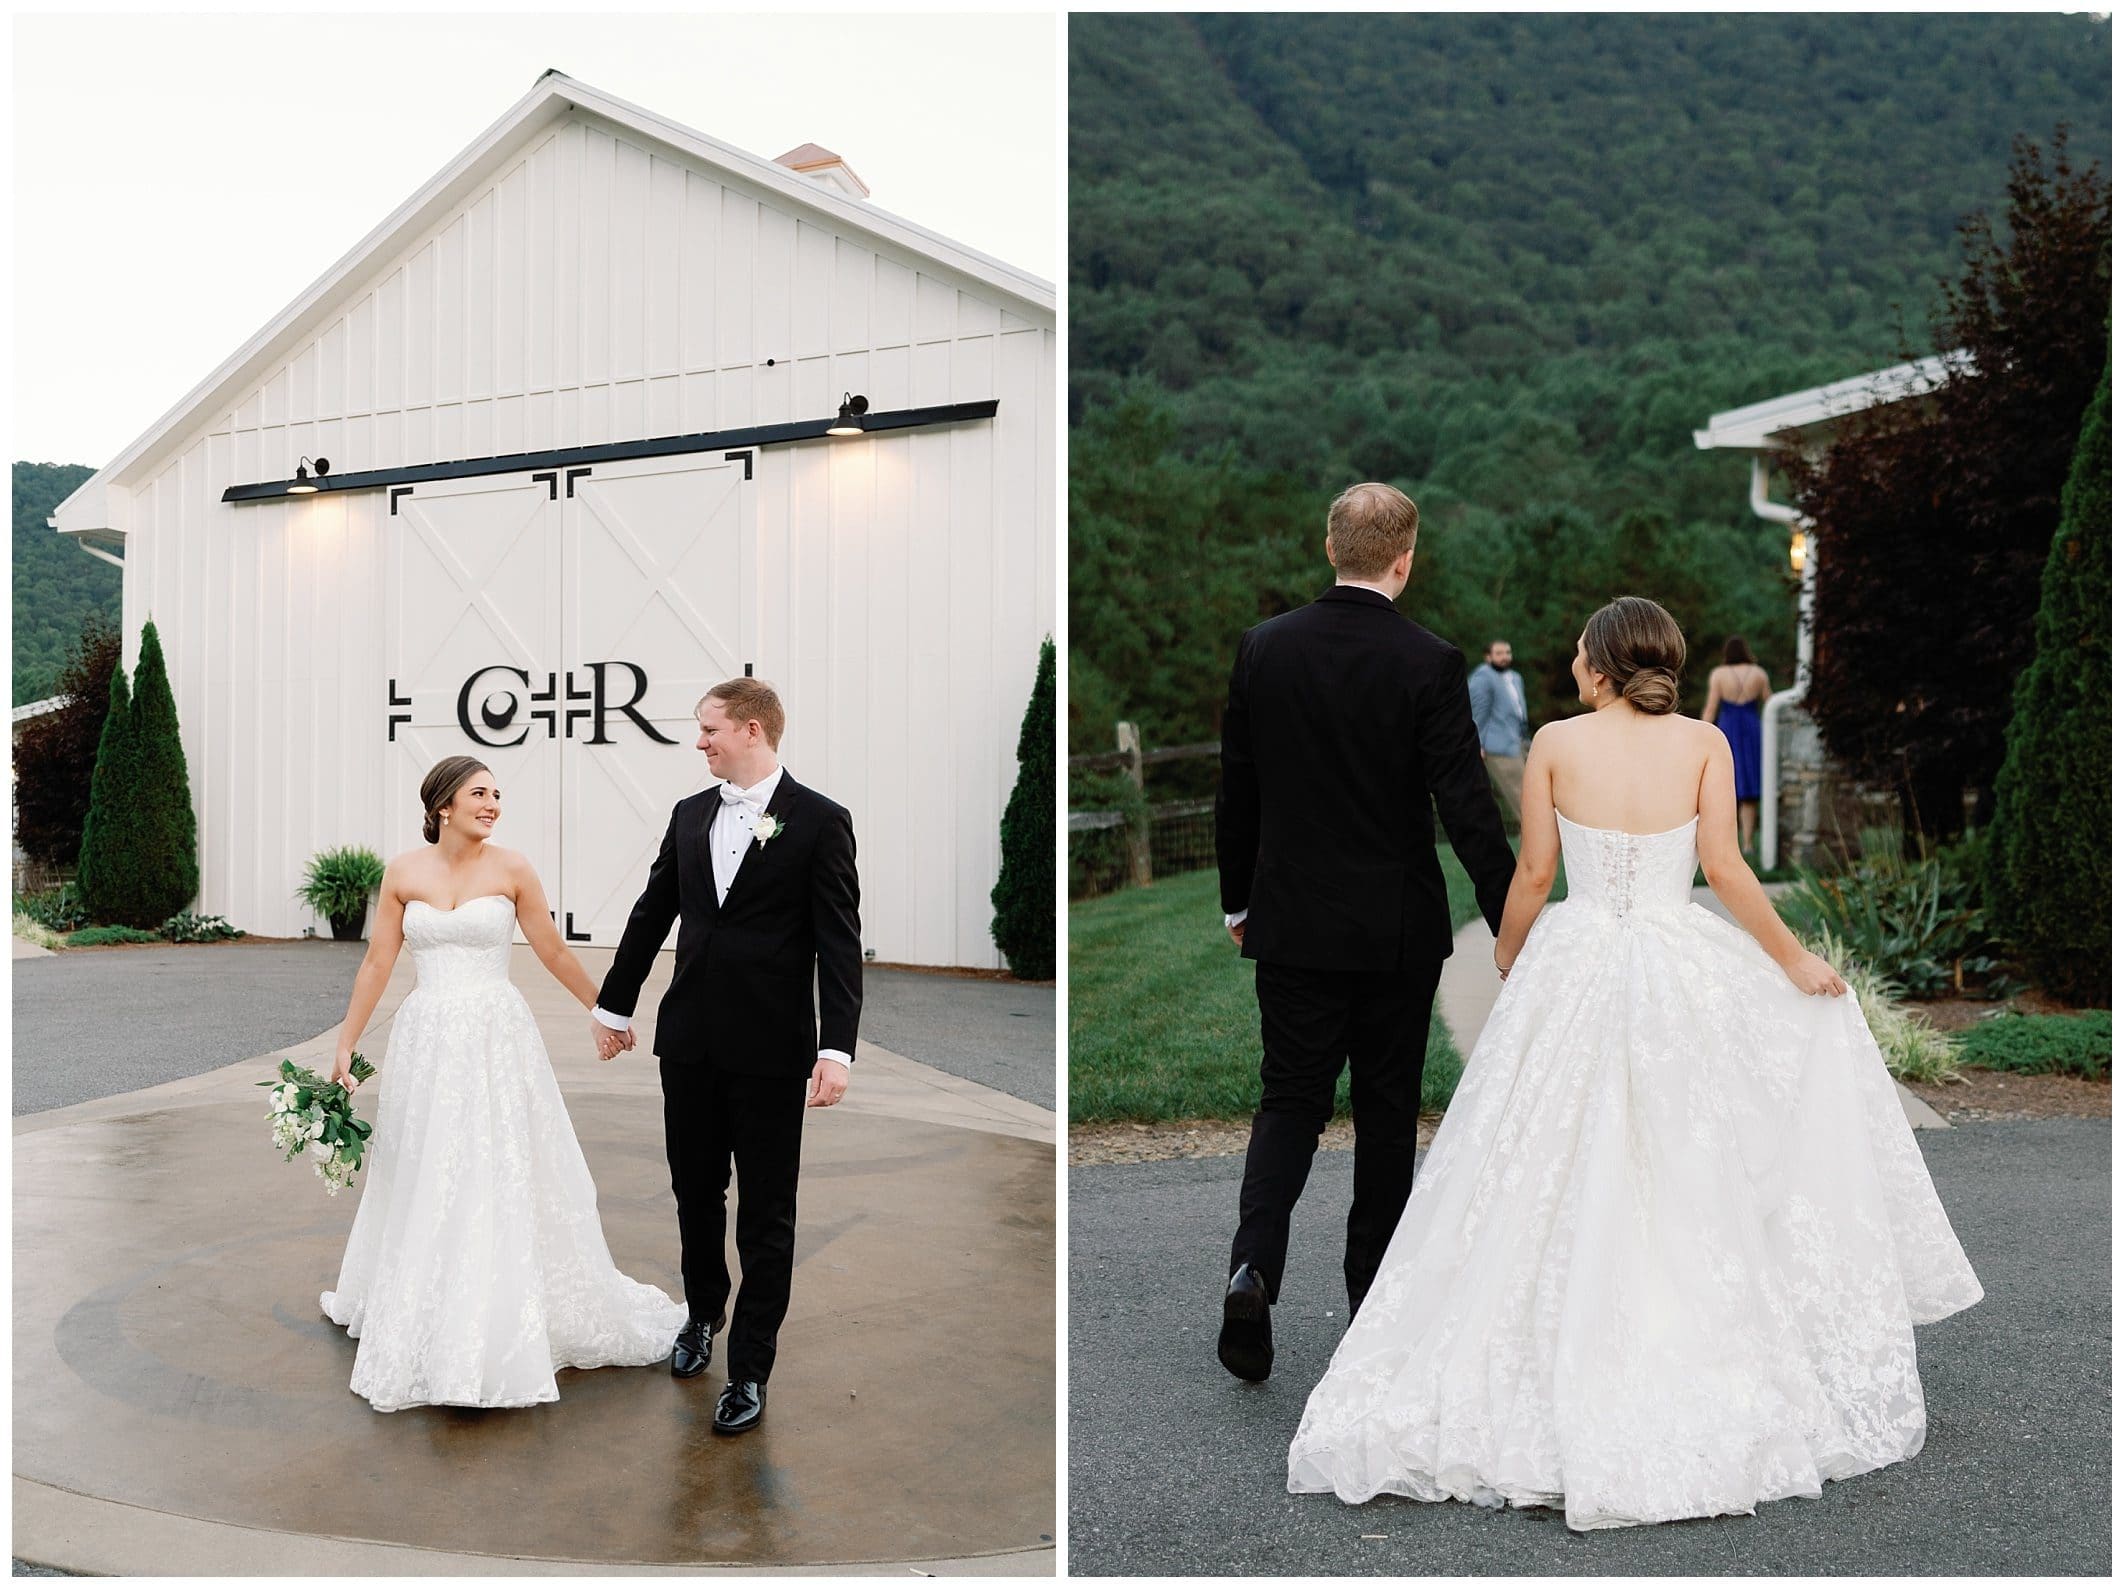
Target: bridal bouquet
pixel 316 1116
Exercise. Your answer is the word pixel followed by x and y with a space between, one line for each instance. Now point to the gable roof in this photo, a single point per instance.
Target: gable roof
pixel 87 511
pixel 1775 420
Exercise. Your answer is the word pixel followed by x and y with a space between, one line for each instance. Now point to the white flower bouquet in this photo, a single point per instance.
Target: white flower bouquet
pixel 314 1116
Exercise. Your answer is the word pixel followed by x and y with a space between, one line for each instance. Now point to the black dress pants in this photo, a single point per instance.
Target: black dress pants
pixel 1312 1023
pixel 714 1120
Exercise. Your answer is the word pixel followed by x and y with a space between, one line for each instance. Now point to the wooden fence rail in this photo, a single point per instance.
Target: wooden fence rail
pixel 1132 758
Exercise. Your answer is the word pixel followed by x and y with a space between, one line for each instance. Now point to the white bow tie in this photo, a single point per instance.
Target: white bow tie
pixel 734 796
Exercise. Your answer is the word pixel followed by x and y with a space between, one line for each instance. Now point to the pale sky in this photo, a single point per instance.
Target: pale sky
pixel 179 179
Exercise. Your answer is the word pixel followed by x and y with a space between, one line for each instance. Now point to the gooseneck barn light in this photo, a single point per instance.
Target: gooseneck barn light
pixel 303 485
pixel 850 422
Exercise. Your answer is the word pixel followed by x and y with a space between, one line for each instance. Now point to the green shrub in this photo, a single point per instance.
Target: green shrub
pixel 109 833
pixel 2041 1045
pixel 2049 888
pixel 55 909
pixel 30 930
pixel 1911 1049
pixel 1024 895
pixel 186 927
pixel 165 868
pixel 339 882
pixel 89 937
pixel 1917 922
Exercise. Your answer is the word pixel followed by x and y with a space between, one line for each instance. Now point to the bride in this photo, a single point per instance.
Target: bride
pixel 1665 1253
pixel 476 1265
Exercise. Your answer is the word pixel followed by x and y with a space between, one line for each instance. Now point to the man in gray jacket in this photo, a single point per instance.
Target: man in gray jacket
pixel 1498 697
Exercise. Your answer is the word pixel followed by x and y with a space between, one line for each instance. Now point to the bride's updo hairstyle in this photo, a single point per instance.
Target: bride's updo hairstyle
pixel 440 787
pixel 1639 646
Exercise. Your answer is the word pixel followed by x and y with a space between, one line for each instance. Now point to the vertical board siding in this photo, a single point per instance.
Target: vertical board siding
pixel 595 289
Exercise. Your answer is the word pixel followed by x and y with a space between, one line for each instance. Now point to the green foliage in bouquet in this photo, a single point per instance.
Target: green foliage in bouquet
pixel 1024 895
pixel 1917 921
pixel 2048 890
pixel 315 1116
pixel 189 927
pixel 91 937
pixel 2041 1045
pixel 339 882
pixel 1911 1049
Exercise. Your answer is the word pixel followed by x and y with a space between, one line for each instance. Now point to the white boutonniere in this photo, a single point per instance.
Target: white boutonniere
pixel 766 828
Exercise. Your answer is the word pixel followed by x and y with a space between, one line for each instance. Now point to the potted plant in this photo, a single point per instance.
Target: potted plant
pixel 338 886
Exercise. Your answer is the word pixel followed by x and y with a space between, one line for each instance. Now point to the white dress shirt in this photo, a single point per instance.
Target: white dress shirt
pixel 1233 918
pixel 730 840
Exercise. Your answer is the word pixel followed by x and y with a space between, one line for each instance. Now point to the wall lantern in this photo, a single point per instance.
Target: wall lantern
pixel 850 422
pixel 303 485
pixel 1799 551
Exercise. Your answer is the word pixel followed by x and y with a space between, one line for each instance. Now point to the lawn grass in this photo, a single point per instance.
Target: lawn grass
pixel 1162 1019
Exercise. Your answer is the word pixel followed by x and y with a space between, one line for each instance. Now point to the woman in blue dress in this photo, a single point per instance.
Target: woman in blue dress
pixel 1739 686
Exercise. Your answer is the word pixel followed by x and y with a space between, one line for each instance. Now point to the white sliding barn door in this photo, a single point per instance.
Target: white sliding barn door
pixel 656 605
pixel 472 637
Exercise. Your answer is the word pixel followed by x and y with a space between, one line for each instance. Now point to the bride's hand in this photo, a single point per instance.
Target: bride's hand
pixel 343 1071
pixel 1810 973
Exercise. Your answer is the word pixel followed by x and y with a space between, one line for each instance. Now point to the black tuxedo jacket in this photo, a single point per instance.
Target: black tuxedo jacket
pixel 1345 721
pixel 741 996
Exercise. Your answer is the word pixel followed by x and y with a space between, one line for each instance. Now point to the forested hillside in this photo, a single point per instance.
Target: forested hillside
pixel 1510 263
pixel 55 581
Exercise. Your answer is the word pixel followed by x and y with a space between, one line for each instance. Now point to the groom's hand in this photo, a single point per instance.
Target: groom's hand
pixel 1238 932
pixel 829 1080
pixel 609 1042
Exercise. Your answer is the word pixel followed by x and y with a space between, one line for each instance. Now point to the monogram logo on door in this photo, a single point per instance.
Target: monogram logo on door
pixel 488 705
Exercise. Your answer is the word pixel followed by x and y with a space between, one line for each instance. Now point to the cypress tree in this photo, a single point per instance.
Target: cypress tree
pixel 1024 895
pixel 105 831
pixel 166 864
pixel 2047 889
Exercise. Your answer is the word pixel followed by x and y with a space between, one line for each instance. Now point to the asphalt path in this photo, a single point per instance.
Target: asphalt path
pixel 92 1023
pixel 1000 1034
pixel 1176 1467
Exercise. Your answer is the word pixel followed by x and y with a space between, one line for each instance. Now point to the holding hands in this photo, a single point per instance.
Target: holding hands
pixel 609 1042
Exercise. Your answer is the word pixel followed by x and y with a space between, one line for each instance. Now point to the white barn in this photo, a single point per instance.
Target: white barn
pixel 574 397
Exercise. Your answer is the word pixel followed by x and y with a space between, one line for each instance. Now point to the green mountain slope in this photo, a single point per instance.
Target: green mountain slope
pixel 1508 262
pixel 56 582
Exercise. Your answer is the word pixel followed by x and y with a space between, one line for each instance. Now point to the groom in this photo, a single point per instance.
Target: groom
pixel 1345 721
pixel 760 873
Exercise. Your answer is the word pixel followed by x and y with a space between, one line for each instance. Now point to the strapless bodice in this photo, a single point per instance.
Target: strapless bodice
pixel 461 950
pixel 1625 874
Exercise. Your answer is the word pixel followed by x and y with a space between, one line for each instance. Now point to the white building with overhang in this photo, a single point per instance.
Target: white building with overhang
pixel 552 450
pixel 1796 774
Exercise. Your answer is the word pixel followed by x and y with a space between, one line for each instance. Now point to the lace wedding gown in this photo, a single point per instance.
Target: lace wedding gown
pixel 1664 1256
pixel 476 1265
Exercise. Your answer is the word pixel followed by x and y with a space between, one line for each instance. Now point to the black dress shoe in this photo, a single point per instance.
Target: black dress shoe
pixel 1243 1345
pixel 740 1406
pixel 689 1353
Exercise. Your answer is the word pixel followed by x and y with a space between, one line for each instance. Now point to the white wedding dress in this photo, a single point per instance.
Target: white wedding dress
pixel 476 1265
pixel 1664 1255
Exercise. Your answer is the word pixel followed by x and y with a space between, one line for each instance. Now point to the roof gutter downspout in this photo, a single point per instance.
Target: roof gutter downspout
pixel 1777 513
pixel 51 522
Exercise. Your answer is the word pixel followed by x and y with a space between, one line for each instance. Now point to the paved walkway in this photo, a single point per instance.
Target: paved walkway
pixel 1175 1467
pixel 181 1408
pixel 1469 985
pixel 218 1003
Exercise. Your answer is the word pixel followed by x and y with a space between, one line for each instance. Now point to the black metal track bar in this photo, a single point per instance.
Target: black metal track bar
pixel 608 452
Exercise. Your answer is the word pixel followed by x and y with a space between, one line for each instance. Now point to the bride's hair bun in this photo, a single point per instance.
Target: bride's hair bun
pixel 1639 646
pixel 1652 690
pixel 440 787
